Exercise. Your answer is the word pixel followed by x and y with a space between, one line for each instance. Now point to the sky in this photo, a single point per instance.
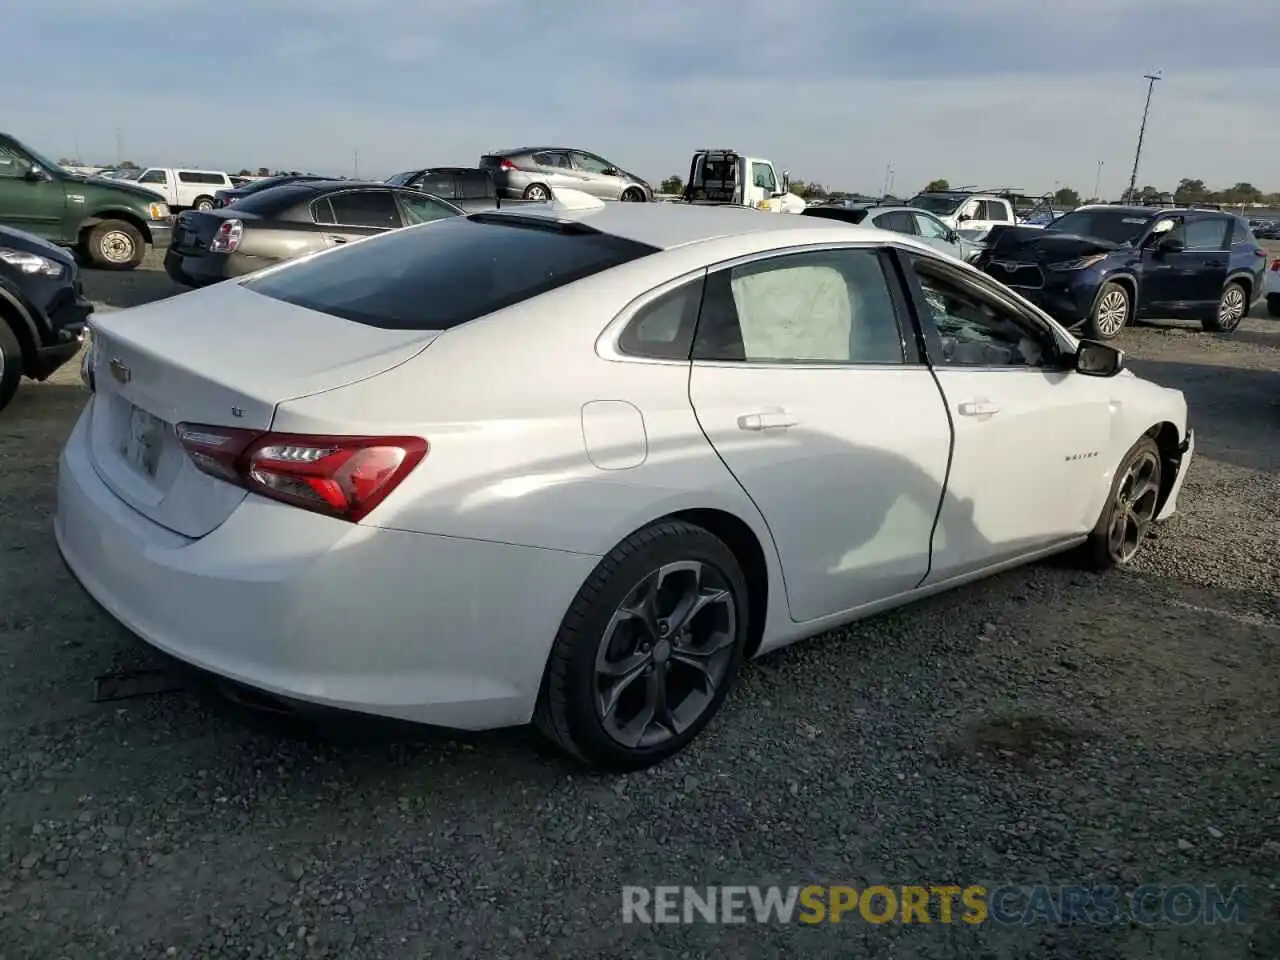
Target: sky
pixel 1032 95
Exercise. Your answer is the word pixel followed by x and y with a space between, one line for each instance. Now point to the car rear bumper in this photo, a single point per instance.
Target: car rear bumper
pixel 200 271
pixel 439 630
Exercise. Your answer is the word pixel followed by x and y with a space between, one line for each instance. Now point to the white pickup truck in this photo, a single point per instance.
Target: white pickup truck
pixel 184 189
pixel 727 177
pixel 966 210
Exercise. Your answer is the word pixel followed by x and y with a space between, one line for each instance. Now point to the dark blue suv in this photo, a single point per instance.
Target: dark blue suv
pixel 1104 266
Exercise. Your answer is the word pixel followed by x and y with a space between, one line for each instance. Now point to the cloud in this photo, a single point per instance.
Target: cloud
pixel 1023 94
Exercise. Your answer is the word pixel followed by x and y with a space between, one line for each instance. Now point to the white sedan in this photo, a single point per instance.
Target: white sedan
pixel 572 464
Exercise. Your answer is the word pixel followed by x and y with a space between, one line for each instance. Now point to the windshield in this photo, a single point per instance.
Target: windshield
pixel 937 205
pixel 1114 226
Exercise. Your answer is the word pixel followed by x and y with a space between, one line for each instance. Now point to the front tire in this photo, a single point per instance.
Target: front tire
pixel 1273 305
pixel 1130 513
pixel 116 245
pixel 648 650
pixel 1111 311
pixel 633 195
pixel 10 364
pixel 1232 307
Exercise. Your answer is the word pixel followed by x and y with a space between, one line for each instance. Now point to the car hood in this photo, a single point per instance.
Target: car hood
pixel 124 186
pixel 1046 246
pixel 29 243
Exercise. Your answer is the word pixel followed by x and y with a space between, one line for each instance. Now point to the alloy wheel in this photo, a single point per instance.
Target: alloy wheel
pixel 1113 311
pixel 1232 308
pixel 1135 507
pixel 665 652
pixel 537 193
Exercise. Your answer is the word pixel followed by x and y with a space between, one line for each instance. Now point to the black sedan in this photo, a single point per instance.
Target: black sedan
pixel 247 188
pixel 43 312
pixel 287 222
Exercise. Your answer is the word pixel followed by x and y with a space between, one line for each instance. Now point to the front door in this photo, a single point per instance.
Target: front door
pixel 1186 283
pixel 936 234
pixel 599 177
pixel 36 206
pixel 159 182
pixel 1031 435
pixel 800 381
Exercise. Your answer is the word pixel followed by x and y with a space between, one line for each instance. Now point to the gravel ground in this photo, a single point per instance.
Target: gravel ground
pixel 1045 726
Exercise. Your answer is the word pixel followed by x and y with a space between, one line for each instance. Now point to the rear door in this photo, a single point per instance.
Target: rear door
pixel 899 221
pixel 555 169
pixel 438 183
pixel 804 382
pixel 353 214
pixel 1032 437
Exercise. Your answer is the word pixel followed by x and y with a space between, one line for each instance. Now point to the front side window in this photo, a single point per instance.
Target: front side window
pixel 437 184
pixel 831 306
pixel 460 269
pixel 930 228
pixel 365 208
pixel 590 164
pixel 424 209
pixel 977 330
pixel 153 176
pixel 762 176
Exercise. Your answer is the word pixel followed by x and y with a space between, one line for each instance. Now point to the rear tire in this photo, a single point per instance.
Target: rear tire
pixel 1112 311
pixel 1273 305
pixel 1129 514
pixel 203 204
pixel 628 682
pixel 116 245
pixel 10 364
pixel 537 191
pixel 1233 305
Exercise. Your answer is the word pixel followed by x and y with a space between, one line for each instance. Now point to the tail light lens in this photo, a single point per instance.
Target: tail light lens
pixel 227 239
pixel 507 165
pixel 1275 264
pixel 343 477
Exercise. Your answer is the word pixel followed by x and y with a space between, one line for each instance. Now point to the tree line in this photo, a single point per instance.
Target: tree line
pixel 130 165
pixel 1188 192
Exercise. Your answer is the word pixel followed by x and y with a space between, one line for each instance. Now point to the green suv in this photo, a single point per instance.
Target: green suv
pixel 108 222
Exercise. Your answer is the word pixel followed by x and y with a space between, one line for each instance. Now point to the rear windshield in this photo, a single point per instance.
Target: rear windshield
pixel 270 201
pixel 940 205
pixel 442 274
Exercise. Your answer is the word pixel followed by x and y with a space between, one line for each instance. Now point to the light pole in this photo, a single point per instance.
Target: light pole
pixel 888 179
pixel 1097 183
pixel 1151 79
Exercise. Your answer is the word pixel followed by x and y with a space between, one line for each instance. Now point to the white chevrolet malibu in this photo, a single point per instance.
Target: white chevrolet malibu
pixel 572 464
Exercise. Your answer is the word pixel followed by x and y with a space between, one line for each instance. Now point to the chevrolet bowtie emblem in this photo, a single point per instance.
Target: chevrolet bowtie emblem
pixel 120 371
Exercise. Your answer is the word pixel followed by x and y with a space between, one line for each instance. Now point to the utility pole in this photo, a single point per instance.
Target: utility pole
pixel 1097 183
pixel 119 148
pixel 355 164
pixel 1151 79
pixel 888 179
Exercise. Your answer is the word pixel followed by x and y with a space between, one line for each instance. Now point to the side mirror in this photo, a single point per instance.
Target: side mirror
pixel 953 237
pixel 1094 359
pixel 1167 244
pixel 786 181
pixel 610 171
pixel 963 217
pixel 35 174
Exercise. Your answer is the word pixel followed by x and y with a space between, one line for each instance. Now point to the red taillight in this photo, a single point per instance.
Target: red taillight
pixel 227 239
pixel 1275 264
pixel 507 165
pixel 344 477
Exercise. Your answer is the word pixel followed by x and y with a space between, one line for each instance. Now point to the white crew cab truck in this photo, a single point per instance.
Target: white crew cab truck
pixel 727 177
pixel 185 189
pixel 966 210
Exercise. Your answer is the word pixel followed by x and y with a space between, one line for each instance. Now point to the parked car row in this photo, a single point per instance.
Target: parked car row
pixel 343 483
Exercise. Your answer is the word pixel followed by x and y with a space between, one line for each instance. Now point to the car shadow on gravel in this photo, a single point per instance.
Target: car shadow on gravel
pixel 1229 407
pixel 133 288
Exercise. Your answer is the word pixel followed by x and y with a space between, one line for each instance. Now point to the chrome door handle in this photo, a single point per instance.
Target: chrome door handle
pixel 771 420
pixel 337 239
pixel 978 408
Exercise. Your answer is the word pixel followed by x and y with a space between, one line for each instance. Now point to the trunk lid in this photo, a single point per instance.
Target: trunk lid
pixel 222 355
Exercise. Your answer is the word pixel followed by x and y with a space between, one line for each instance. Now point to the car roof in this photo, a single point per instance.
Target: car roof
pixel 669 225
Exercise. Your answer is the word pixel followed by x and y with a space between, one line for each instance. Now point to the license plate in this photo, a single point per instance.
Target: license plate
pixel 142 442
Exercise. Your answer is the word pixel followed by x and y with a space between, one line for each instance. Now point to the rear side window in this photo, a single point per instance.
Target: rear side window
pixel 365 208
pixel 438 185
pixel 438 276
pixel 477 187
pixel 663 328
pixel 899 221
pixel 1242 233
pixel 1209 233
